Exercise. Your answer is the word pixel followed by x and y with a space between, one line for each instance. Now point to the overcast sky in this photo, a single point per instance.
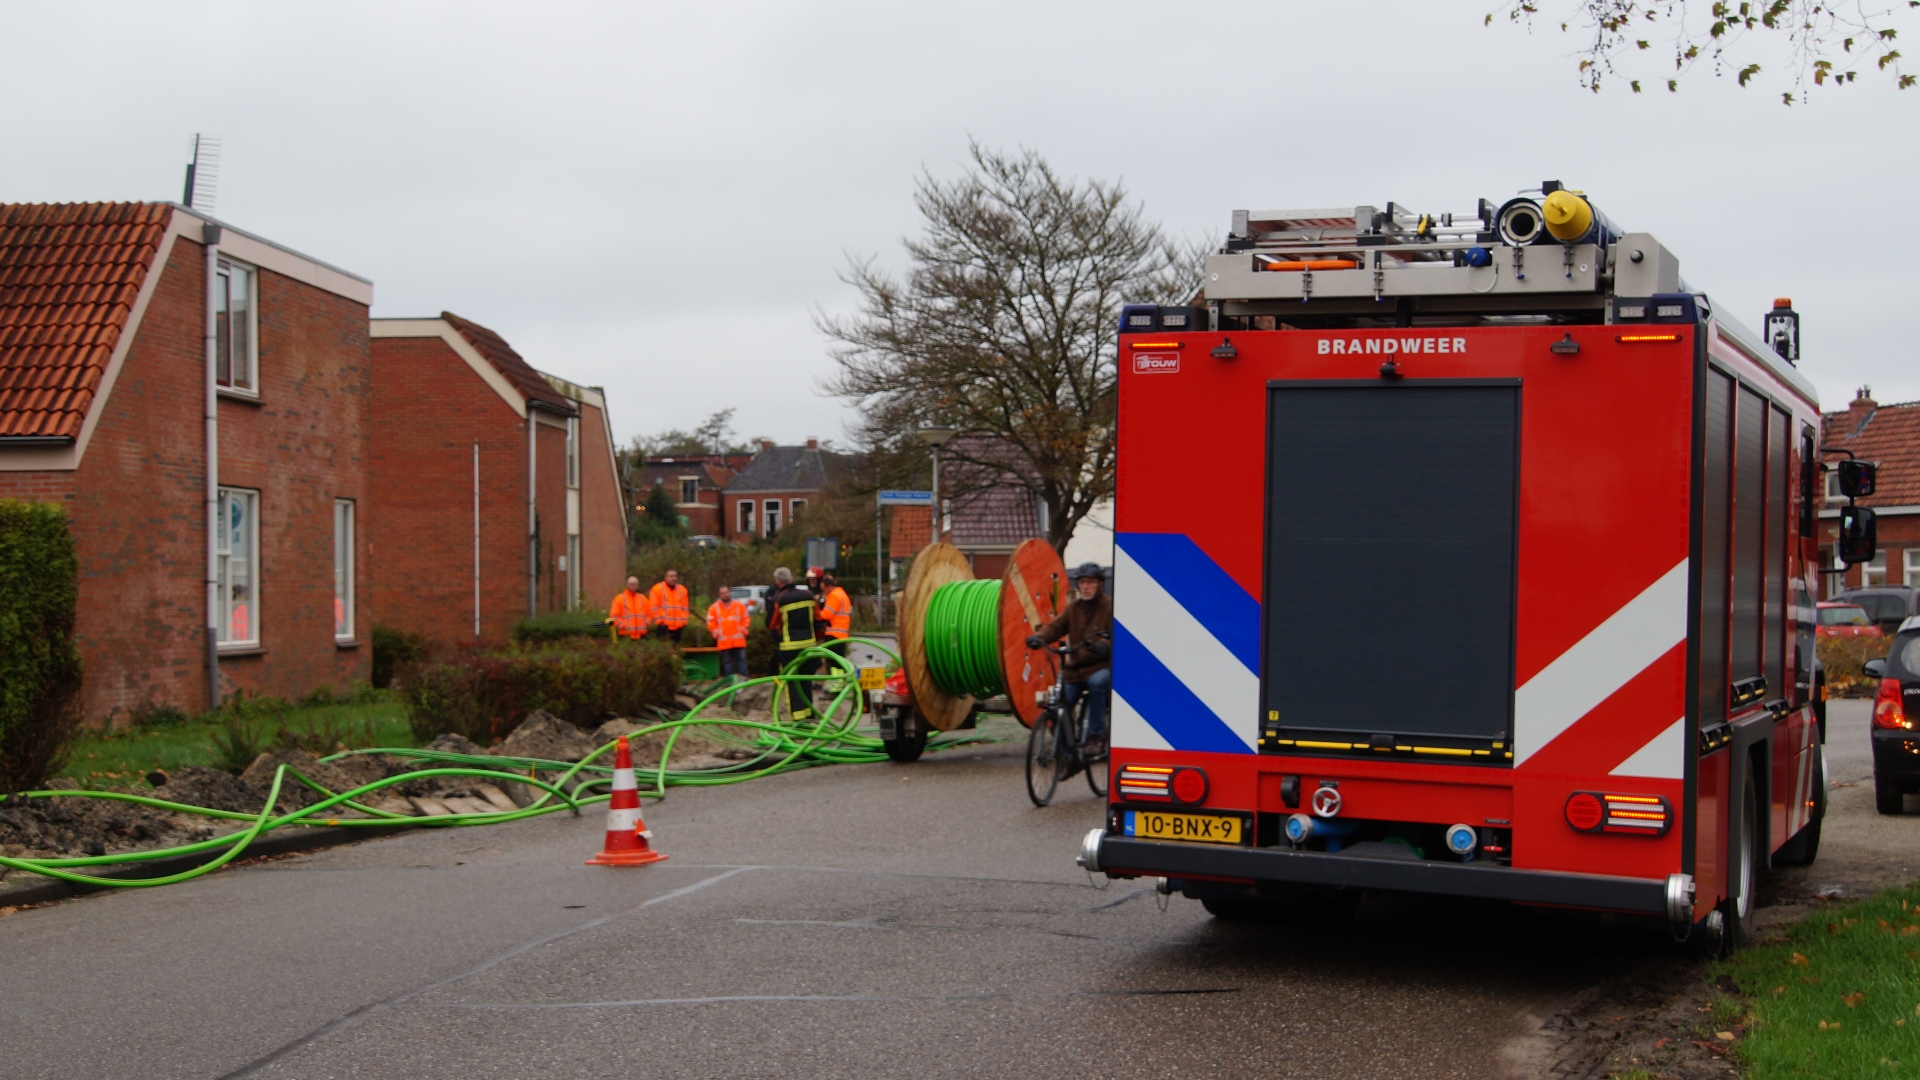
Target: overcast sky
pixel 655 198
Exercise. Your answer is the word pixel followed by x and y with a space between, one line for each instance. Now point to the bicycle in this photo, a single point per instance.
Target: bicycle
pixel 1056 746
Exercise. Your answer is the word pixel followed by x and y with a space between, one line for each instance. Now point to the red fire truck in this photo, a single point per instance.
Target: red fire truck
pixel 1465 554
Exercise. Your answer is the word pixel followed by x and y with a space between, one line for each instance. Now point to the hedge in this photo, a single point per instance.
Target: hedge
pixel 40 667
pixel 585 681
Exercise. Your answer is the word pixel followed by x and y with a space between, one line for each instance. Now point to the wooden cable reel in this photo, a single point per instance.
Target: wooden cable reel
pixel 1033 590
pixel 936 565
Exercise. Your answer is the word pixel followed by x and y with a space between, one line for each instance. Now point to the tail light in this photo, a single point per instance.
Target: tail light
pixel 1182 784
pixel 1646 815
pixel 1888 712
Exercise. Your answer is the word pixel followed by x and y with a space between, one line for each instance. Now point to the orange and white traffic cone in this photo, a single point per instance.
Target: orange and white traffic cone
pixel 627 835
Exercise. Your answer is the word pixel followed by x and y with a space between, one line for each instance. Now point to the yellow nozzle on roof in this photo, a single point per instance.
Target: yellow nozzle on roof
pixel 1568 215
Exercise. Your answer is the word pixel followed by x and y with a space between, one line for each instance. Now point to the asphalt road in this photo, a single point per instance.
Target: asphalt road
pixel 862 921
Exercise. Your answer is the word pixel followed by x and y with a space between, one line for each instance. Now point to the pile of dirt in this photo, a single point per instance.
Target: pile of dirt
pixel 72 827
pixel 197 785
pixel 544 735
pixel 455 744
pixel 293 793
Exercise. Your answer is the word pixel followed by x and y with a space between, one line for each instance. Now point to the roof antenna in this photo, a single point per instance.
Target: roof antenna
pixel 203 172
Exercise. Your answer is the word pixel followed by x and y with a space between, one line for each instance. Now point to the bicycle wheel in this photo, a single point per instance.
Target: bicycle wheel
pixel 1094 753
pixel 1043 768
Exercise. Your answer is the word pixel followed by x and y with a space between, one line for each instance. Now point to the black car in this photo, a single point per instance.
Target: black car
pixel 1887 605
pixel 1896 709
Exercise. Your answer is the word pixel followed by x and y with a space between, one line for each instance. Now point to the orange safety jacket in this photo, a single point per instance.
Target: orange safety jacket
pixel 727 622
pixel 629 613
pixel 839 612
pixel 669 605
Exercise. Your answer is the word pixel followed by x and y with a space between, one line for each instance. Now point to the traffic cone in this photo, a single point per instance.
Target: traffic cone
pixel 627 835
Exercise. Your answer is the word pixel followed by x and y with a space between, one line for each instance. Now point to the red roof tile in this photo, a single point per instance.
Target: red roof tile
pixel 69 273
pixel 1886 434
pixel 508 363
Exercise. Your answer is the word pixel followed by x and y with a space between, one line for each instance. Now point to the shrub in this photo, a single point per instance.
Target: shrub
pixel 151 714
pixel 561 625
pixel 40 668
pixel 392 649
pixel 237 743
pixel 763 649
pixel 484 697
pixel 1842 659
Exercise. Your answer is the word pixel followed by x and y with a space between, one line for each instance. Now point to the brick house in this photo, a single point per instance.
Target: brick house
pixel 495 492
pixel 121 326
pixel 775 488
pixel 696 482
pixel 985 525
pixel 1890 436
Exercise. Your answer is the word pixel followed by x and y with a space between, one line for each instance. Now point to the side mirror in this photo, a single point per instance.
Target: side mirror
pixel 1856 478
pixel 1875 669
pixel 1859 540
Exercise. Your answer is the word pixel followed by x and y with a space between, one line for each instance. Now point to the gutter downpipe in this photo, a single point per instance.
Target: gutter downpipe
pixel 533 531
pixel 210 239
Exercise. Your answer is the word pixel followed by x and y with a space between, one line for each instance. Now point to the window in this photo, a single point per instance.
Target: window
pixel 238 579
pixel 236 329
pixel 1910 571
pixel 746 517
pixel 794 508
pixel 1874 571
pixel 573 452
pixel 772 522
pixel 1833 486
pixel 689 490
pixel 343 569
pixel 573 571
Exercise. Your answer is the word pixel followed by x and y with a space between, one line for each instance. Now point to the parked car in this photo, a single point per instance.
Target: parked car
pixel 1896 745
pixel 1887 605
pixel 754 596
pixel 1846 620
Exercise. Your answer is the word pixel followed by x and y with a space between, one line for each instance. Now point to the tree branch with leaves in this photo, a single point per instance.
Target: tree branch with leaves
pixel 1005 326
pixel 1827 42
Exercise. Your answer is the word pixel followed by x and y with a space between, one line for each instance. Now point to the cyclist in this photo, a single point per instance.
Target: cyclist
pixel 1088 626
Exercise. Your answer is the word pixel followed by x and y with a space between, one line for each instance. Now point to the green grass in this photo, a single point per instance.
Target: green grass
pixel 121 759
pixel 1854 968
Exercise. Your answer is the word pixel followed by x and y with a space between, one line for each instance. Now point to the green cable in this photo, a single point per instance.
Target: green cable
pixel 963 639
pixel 784 744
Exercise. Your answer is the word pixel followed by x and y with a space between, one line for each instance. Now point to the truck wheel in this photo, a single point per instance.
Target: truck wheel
pixel 1739 904
pixel 1888 798
pixel 906 749
pixel 1805 845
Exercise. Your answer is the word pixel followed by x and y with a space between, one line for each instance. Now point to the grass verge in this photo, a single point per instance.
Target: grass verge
pixel 121 759
pixel 1838 995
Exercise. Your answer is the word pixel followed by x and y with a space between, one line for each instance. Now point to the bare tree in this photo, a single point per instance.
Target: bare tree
pixel 1005 326
pixel 1827 42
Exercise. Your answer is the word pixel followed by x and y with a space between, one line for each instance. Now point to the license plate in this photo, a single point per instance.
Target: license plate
pixel 1192 828
pixel 873 678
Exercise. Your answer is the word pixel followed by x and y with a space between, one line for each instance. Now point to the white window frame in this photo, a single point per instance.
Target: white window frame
pixel 249 387
pixel 225 582
pixel 770 517
pixel 1832 489
pixel 684 491
pixel 573 451
pixel 344 530
pixel 1910 568
pixel 1873 572
pixel 794 506
pixel 746 513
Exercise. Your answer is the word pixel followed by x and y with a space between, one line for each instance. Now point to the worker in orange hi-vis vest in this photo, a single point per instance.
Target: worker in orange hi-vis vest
pixel 727 621
pixel 670 610
pixel 837 608
pixel 630 612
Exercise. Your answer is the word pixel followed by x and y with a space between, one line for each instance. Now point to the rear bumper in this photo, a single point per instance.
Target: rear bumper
pixel 1896 756
pixel 1121 856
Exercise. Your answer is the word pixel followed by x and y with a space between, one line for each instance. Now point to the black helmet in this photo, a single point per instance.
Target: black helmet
pixel 1089 570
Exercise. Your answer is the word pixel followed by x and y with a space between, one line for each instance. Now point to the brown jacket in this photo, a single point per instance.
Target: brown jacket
pixel 1082 621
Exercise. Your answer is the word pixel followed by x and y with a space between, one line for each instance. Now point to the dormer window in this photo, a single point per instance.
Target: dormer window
pixel 236 327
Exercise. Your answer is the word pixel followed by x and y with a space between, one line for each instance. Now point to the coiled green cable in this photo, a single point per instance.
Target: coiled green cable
pixel 963 639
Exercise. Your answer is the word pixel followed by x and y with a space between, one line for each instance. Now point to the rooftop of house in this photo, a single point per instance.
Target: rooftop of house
pixel 531 384
pixel 1888 435
pixel 69 276
pixel 784 468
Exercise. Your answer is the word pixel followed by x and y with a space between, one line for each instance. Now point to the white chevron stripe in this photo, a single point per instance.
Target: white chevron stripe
pixel 1188 649
pixel 1131 730
pixel 1661 758
pixel 1600 663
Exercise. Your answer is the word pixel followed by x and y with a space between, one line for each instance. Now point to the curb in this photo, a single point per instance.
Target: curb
pixel 40 890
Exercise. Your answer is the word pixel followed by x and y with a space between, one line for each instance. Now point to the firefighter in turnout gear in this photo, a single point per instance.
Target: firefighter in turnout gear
pixel 629 613
pixel 669 600
pixel 727 620
pixel 793 613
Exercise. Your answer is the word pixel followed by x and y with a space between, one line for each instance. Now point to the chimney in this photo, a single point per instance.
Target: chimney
pixel 1860 411
pixel 813 444
pixel 766 446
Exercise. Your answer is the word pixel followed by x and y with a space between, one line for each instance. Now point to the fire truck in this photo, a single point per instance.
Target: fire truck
pixel 1467 554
